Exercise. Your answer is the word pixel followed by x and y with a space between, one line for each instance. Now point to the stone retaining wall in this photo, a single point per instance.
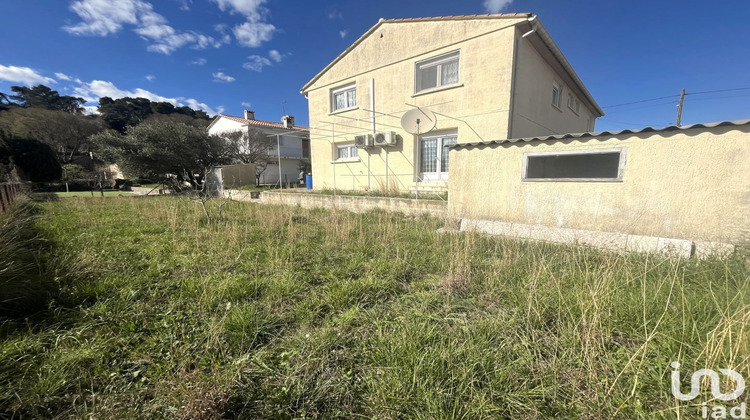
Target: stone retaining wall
pixel 357 204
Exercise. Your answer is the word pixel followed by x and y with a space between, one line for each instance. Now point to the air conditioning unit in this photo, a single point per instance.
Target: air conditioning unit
pixel 386 138
pixel 365 140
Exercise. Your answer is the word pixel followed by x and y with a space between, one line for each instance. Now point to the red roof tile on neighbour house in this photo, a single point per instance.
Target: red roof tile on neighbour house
pixel 259 123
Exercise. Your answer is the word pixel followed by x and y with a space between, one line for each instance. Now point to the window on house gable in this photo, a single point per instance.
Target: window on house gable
pixel 556 95
pixel 573 103
pixel 588 165
pixel 437 72
pixel 344 98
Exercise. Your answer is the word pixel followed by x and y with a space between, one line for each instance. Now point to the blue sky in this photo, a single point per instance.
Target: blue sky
pixel 227 55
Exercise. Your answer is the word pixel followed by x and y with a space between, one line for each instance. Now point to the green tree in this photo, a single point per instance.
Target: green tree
pixel 64 132
pixel 123 112
pixel 152 150
pixel 41 96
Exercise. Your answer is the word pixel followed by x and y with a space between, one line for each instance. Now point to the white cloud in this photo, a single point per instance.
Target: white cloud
pixel 251 9
pixel 150 77
pixel 90 109
pixel 247 105
pixel 104 17
pixel 185 4
pixel 343 33
pixel 496 6
pixel 192 103
pixel 24 75
pixel 63 76
pixel 253 34
pixel 255 30
pixel 335 15
pixel 221 77
pixel 199 62
pixel 96 89
pixel 276 56
pixel 256 63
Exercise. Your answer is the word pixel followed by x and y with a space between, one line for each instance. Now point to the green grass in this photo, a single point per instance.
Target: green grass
pixel 281 312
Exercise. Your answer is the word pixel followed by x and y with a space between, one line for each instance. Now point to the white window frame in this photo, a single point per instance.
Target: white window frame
pixel 438 62
pixel 349 147
pixel 620 168
pixel 556 87
pixel 573 103
pixel 439 175
pixel 344 89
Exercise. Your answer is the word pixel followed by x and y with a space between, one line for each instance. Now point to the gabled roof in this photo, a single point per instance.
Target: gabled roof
pixel 423 19
pixel 258 123
pixel 543 36
pixel 556 137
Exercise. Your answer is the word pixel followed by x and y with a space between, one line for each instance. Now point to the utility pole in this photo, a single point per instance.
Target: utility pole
pixel 278 153
pixel 679 109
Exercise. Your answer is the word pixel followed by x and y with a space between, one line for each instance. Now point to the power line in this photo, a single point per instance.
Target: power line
pixel 676 96
pixel 719 90
pixel 642 101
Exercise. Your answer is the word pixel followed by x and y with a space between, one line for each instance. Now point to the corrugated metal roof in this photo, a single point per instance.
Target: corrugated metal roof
pixel 259 123
pixel 606 133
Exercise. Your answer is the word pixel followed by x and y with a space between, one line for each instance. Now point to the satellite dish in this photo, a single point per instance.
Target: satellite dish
pixel 418 121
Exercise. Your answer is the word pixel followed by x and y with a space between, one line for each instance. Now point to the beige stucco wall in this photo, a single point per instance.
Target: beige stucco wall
pixel 533 113
pixel 388 56
pixel 692 184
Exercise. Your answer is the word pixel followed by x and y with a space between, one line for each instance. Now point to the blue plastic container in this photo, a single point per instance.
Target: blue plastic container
pixel 308 181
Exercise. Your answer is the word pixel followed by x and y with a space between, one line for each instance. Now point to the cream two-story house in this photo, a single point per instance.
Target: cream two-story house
pixel 472 78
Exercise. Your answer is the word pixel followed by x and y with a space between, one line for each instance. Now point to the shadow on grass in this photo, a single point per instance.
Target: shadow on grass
pixel 31 276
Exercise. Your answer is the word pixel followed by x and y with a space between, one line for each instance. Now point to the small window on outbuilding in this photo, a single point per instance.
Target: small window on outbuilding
pixel 590 165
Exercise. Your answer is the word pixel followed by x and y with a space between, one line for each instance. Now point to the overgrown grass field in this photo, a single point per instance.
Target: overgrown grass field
pixel 281 312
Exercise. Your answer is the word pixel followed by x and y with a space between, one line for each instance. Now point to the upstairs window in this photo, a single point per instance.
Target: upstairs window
pixel 437 72
pixel 589 165
pixel 556 95
pixel 344 98
pixel 573 103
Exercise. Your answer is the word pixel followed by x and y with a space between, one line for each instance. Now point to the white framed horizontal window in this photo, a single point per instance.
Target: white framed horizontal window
pixel 575 165
pixel 437 72
pixel 344 97
pixel 347 152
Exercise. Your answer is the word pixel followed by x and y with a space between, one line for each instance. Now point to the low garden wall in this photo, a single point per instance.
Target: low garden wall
pixel 357 204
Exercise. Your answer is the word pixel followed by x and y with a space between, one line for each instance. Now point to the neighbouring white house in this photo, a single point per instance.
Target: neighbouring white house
pixel 288 145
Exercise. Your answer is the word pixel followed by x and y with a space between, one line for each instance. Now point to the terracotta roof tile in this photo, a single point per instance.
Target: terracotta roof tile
pixel 262 123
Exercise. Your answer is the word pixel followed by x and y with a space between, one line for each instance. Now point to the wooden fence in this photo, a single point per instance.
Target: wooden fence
pixel 10 194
